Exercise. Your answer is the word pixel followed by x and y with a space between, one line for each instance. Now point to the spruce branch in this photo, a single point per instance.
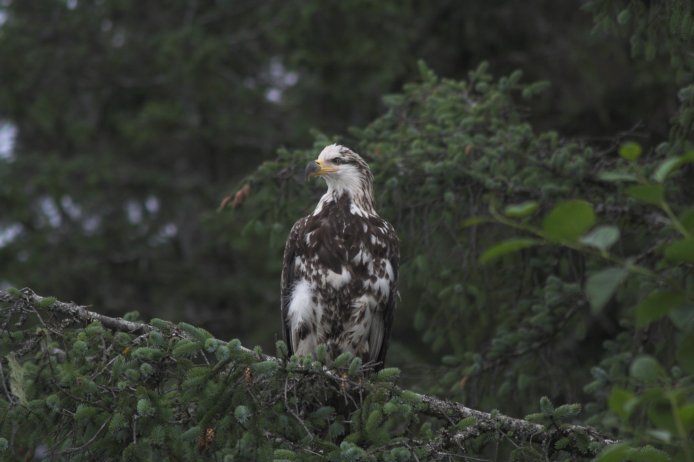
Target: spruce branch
pixel 517 430
pixel 578 440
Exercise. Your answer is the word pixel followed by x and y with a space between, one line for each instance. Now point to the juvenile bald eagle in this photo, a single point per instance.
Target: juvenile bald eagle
pixel 340 267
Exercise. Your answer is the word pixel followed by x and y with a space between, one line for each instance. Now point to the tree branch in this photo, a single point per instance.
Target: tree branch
pixel 515 429
pixel 579 440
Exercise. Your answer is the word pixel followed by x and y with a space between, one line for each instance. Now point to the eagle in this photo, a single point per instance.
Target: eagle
pixel 340 267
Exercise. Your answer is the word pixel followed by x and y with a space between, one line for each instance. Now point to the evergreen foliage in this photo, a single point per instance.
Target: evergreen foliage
pixel 130 391
pixel 540 269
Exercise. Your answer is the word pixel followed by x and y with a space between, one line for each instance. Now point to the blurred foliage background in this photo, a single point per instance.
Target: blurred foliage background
pixel 128 122
pixel 131 122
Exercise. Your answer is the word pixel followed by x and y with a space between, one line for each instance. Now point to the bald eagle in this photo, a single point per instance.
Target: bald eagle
pixel 340 269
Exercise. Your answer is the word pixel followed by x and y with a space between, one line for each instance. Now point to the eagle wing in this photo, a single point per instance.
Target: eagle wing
pixel 288 274
pixel 379 338
pixel 381 320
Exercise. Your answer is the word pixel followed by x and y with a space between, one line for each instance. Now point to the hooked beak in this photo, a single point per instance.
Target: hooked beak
pixel 317 168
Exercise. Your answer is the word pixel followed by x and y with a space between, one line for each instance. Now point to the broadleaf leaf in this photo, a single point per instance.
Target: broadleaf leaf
pixel 569 220
pixel 506 247
pixel 521 210
pixel 630 151
pixel 602 237
pixel 602 285
pixel 647 193
pixel 670 165
pixel 656 305
pixel 681 251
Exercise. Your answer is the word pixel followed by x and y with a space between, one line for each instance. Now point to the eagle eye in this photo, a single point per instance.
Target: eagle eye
pixel 339 161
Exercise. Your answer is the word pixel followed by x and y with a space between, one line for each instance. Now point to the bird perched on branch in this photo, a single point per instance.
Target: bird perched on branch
pixel 340 270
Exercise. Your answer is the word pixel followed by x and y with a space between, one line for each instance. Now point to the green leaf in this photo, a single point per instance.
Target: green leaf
pixel 185 347
pixel 354 367
pixel 147 353
pixel 336 430
pixel 546 405
pixel 685 353
pixel 648 193
pixel 242 413
pixel 683 317
pixel 199 334
pixel 656 305
pixel 388 374
pixel 46 302
pixel 474 221
pixel 567 410
pixel 645 368
pixel 281 348
pixel 284 454
pixel 602 237
pixel 466 422
pixel 16 293
pixel 265 367
pixel 687 219
pixel 630 151
pixel 373 422
pixel 601 286
pixel 617 401
pixel 84 412
pixel 161 324
pixel 342 360
pixel 662 435
pixel 660 413
pixel 144 407
pixel 521 210
pixel 686 414
pixel 505 247
pixel 670 165
pixel 648 454
pixel 624 16
pixel 616 175
pixel 681 251
pixel 614 453
pixel 190 434
pixel 569 220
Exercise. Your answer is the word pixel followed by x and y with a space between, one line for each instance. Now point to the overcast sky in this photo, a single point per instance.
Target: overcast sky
pixel 7 135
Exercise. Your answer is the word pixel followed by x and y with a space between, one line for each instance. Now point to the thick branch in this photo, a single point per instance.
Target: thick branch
pixel 77 312
pixel 518 430
pixel 27 300
pixel 514 429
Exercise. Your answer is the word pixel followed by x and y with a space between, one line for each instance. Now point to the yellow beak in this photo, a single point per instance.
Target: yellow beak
pixel 317 168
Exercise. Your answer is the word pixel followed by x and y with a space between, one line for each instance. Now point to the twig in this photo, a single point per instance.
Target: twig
pixel 91 440
pixel 294 413
pixel 10 399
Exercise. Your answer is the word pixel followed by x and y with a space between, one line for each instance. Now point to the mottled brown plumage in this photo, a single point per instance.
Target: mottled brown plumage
pixel 339 277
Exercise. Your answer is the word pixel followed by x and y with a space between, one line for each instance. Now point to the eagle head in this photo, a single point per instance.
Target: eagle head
pixel 344 171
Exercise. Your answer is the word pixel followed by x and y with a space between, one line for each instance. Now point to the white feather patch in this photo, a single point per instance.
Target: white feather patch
pixel 382 284
pixel 389 270
pixel 354 210
pixel 338 280
pixel 362 257
pixel 301 309
pixel 359 332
